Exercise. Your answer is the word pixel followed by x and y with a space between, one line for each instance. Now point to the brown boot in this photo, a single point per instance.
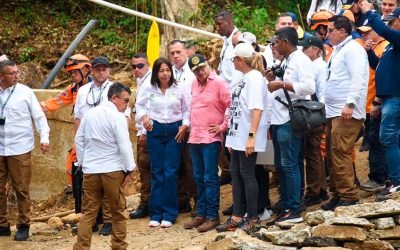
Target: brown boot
pixel 209 224
pixel 195 222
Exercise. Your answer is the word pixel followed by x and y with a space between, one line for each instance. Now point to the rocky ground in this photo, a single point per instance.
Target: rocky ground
pixel 320 227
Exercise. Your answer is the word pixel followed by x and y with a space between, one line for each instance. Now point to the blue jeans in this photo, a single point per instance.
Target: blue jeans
pixel 376 157
pixel 205 170
pixel 389 136
pixel 165 156
pixel 287 149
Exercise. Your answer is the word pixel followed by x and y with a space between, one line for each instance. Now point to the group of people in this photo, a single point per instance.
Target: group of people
pixel 192 119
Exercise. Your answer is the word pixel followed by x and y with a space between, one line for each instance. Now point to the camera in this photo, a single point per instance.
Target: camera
pixel 277 69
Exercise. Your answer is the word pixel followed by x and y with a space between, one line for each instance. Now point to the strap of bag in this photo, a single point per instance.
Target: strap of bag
pixel 289 104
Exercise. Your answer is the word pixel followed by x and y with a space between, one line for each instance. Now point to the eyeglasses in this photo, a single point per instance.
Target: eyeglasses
pixel 139 66
pixel 126 100
pixel 11 73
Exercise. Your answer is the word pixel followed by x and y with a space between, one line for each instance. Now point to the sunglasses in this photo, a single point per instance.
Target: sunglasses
pixel 139 66
pixel 11 73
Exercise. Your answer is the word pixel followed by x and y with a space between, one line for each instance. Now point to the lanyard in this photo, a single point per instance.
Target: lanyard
pixel 334 55
pixel 3 105
pixel 97 102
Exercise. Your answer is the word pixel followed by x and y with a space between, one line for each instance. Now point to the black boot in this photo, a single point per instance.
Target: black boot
pixel 140 212
pixel 5 231
pixel 106 229
pixel 22 233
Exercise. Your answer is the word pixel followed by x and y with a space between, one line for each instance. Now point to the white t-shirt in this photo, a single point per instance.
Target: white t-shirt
pixel 248 94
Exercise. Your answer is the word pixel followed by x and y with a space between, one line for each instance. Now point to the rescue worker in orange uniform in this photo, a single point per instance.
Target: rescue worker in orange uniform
pixel 78 66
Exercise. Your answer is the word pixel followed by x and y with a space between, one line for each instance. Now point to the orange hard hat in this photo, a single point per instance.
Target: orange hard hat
pixel 320 17
pixel 348 14
pixel 77 61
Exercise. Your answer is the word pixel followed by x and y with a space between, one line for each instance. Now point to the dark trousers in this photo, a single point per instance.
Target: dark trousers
pixel 376 157
pixel 263 188
pixel 244 184
pixel 143 162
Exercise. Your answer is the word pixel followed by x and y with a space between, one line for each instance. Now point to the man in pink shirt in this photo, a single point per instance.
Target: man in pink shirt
pixel 211 98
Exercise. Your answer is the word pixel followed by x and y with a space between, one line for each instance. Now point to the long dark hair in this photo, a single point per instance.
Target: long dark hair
pixel 333 4
pixel 156 68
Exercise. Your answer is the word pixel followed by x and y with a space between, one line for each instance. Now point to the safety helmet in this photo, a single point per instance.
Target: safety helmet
pixel 77 61
pixel 322 17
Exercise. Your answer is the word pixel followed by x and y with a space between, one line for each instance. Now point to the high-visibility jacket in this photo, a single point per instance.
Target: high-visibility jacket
pixel 66 97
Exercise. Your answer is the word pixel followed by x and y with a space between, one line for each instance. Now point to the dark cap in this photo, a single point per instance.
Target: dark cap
pixel 197 60
pixel 393 15
pixel 312 41
pixel 100 60
pixel 292 15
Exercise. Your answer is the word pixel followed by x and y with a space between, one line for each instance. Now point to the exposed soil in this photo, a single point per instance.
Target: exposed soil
pixel 140 236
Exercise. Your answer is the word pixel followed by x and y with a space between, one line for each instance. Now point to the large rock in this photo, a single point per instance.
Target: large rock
pixel 370 210
pixel 41 228
pixel 290 237
pixel 342 233
pixel 394 243
pixel 391 234
pixel 384 223
pixel 55 223
pixel 397 219
pixel 71 218
pixel 351 221
pixel 318 217
pixel 370 245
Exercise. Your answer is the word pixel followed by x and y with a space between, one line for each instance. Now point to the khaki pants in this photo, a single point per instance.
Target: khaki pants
pixel 342 137
pixel 315 169
pixel 143 162
pixel 18 167
pixel 95 187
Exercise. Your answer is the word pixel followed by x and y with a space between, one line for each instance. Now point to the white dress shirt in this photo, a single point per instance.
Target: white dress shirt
pixel 141 83
pixel 298 72
pixel 16 135
pixel 102 141
pixel 185 77
pixel 89 94
pixel 347 79
pixel 319 67
pixel 226 68
pixel 168 108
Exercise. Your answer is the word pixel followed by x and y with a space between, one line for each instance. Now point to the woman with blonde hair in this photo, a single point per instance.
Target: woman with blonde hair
pixel 247 135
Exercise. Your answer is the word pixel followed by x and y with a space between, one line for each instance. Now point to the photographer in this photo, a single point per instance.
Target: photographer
pixel 297 78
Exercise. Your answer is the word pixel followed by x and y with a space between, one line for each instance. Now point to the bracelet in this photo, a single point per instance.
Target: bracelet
pixel 284 86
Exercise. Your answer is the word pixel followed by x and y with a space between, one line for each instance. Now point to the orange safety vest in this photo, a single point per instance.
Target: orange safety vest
pixel 66 97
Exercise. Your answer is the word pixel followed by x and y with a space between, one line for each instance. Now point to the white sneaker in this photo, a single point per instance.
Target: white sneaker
pixel 154 223
pixel 264 215
pixel 166 224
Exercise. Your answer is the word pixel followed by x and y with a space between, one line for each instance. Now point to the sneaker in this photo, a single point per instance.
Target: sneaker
pixel 249 226
pixel 265 215
pixel 140 212
pixel 388 191
pixel 166 224
pixel 22 233
pixel 208 225
pixel 290 217
pixel 271 223
pixel 5 231
pixel 154 223
pixel 372 186
pixel 194 223
pixel 106 229
pixel 311 200
pixel 229 225
pixel 331 205
pixel 323 196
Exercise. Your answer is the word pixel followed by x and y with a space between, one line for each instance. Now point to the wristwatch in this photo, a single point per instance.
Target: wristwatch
pixel 251 135
pixel 350 105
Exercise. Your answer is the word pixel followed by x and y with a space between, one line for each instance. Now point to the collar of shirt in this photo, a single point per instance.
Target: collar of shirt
pixel 178 73
pixel 344 42
pixel 141 80
pixel 109 104
pixel 103 85
pixel 8 89
pixel 229 39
